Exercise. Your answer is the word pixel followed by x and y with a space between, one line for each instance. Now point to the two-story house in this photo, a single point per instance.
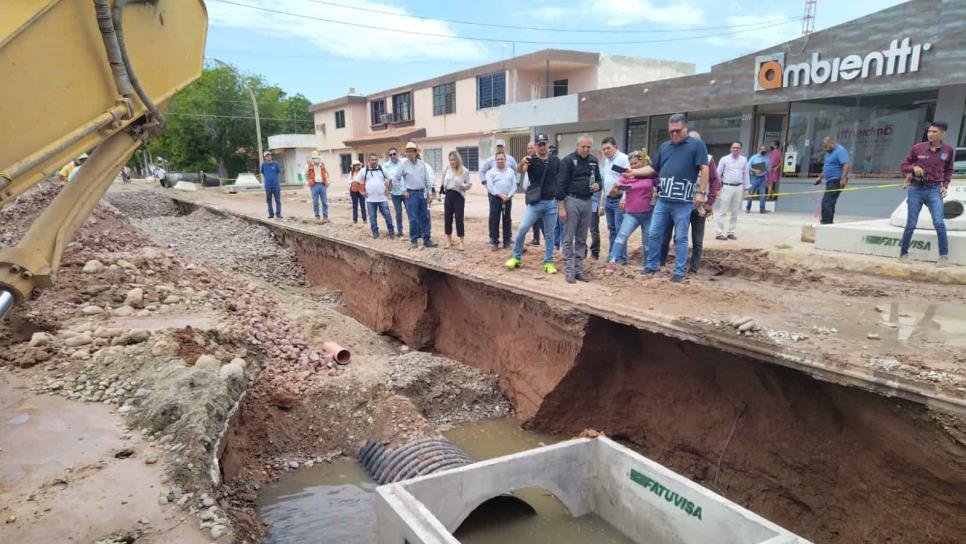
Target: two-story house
pixel 467 110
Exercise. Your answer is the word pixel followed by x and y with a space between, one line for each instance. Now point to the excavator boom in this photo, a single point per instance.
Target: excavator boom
pixel 81 75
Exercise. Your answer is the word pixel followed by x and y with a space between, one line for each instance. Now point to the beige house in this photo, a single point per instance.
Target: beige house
pixel 466 111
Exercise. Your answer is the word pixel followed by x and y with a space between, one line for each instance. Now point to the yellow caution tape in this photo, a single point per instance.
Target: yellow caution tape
pixel 823 191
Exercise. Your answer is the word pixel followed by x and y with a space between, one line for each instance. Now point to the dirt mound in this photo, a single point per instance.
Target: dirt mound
pixel 143 204
pixel 445 391
pixel 232 245
pixel 755 265
pixel 16 217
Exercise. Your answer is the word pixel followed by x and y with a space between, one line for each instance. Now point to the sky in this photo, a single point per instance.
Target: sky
pixel 308 49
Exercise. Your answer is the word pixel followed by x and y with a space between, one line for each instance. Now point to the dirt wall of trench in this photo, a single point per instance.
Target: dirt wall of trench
pixel 530 344
pixel 833 463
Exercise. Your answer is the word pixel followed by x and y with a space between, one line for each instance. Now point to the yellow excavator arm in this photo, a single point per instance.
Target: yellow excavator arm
pixel 81 75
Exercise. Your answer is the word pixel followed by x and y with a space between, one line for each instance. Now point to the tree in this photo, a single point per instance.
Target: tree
pixel 211 124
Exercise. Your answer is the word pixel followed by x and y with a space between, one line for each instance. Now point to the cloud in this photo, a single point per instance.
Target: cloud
pixel 628 12
pixel 344 40
pixel 745 37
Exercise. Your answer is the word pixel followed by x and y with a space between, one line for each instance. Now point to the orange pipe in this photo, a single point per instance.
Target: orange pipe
pixel 337 352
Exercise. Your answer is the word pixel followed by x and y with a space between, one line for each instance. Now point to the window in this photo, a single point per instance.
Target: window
pixel 876 130
pixel 491 90
pixel 340 119
pixel 636 134
pixel 718 131
pixel 345 162
pixel 560 87
pixel 470 157
pixel 361 157
pixel 434 158
pixel 402 109
pixel 444 99
pixel 657 134
pixel 378 112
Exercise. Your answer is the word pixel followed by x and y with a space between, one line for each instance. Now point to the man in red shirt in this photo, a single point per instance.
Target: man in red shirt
pixel 930 167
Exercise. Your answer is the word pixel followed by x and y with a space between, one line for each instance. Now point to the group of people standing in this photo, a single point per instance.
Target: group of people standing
pixel 666 197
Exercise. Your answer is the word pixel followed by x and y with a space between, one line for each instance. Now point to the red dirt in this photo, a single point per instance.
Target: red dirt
pixel 833 463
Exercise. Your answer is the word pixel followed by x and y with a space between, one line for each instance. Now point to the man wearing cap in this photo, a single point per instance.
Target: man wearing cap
pixel 273 189
pixel 72 173
pixel 541 170
pixel 577 181
pixel 318 185
pixel 490 162
pixel 398 202
pixel 416 179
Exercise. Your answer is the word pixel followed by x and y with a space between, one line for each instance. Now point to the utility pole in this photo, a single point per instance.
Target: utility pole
pixel 808 20
pixel 258 122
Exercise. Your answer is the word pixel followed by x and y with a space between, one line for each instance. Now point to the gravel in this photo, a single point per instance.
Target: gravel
pixel 230 244
pixel 143 205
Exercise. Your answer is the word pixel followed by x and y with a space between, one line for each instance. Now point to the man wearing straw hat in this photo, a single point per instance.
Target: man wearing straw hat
pixel 417 182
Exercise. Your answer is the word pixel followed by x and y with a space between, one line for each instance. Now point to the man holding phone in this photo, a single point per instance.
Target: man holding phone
pixel 541 170
pixel 615 163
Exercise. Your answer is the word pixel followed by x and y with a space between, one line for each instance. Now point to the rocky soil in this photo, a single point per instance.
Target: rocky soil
pixel 175 336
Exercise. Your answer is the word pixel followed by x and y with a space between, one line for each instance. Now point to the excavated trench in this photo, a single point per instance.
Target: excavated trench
pixel 829 462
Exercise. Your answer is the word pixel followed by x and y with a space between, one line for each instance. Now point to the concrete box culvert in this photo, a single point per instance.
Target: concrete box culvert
pixel 644 500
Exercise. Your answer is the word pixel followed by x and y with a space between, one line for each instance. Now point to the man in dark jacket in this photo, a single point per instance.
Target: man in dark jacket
pixel 541 168
pixel 577 181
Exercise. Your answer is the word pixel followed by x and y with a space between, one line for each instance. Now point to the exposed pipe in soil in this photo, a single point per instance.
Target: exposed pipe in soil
pixel 338 353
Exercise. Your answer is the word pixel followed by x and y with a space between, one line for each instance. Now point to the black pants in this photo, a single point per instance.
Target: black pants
pixel 499 209
pixel 697 242
pixel 595 236
pixel 358 202
pixel 453 206
pixel 829 199
pixel 537 229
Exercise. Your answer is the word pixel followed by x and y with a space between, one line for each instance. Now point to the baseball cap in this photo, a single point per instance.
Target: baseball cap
pixel 316 155
pixel 499 143
pixel 266 153
pixel 411 145
pixel 542 138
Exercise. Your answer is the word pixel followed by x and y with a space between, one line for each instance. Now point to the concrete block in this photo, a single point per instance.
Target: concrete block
pixel 642 499
pixel 879 237
pixel 808 233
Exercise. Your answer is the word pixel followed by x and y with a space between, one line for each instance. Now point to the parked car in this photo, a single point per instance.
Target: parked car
pixel 959 162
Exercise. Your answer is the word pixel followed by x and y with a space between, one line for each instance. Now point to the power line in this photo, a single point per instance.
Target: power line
pixel 762 26
pixel 534 28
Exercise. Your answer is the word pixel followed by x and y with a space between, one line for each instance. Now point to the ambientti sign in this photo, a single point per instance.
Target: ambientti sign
pixel 901 57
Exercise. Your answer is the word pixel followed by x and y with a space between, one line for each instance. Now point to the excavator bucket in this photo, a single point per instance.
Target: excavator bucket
pixel 58 97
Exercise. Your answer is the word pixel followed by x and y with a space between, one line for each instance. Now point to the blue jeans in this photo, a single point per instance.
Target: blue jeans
pixel 545 212
pixel 383 208
pixel 319 193
pixel 398 202
pixel 274 191
pixel 915 197
pixel 614 215
pixel 759 187
pixel 666 215
pixel 418 210
pixel 629 223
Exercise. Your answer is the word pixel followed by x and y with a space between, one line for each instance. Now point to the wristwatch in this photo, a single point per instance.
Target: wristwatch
pixel 705 193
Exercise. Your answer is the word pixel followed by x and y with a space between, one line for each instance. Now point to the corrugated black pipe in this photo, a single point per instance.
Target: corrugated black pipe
pixel 417 458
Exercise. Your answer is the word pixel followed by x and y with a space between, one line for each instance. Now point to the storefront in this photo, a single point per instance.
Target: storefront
pixel 873 88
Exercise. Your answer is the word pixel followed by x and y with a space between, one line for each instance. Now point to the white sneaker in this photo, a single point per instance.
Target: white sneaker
pixel 943 261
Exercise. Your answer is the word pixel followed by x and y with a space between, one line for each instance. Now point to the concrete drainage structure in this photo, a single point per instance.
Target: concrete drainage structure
pixel 642 499
pixel 881 237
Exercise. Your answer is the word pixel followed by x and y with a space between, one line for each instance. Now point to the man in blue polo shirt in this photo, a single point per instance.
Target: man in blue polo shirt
pixel 273 189
pixel 682 169
pixel 836 175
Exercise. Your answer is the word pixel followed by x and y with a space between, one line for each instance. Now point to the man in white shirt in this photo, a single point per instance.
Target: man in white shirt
pixel 611 205
pixel 735 181
pixel 490 162
pixel 501 183
pixel 376 184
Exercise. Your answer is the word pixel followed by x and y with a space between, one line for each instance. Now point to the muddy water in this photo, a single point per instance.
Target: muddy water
pixel 332 502
pixel 335 502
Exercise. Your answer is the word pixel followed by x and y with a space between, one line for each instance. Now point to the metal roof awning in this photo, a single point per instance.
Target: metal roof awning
pixel 388 137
